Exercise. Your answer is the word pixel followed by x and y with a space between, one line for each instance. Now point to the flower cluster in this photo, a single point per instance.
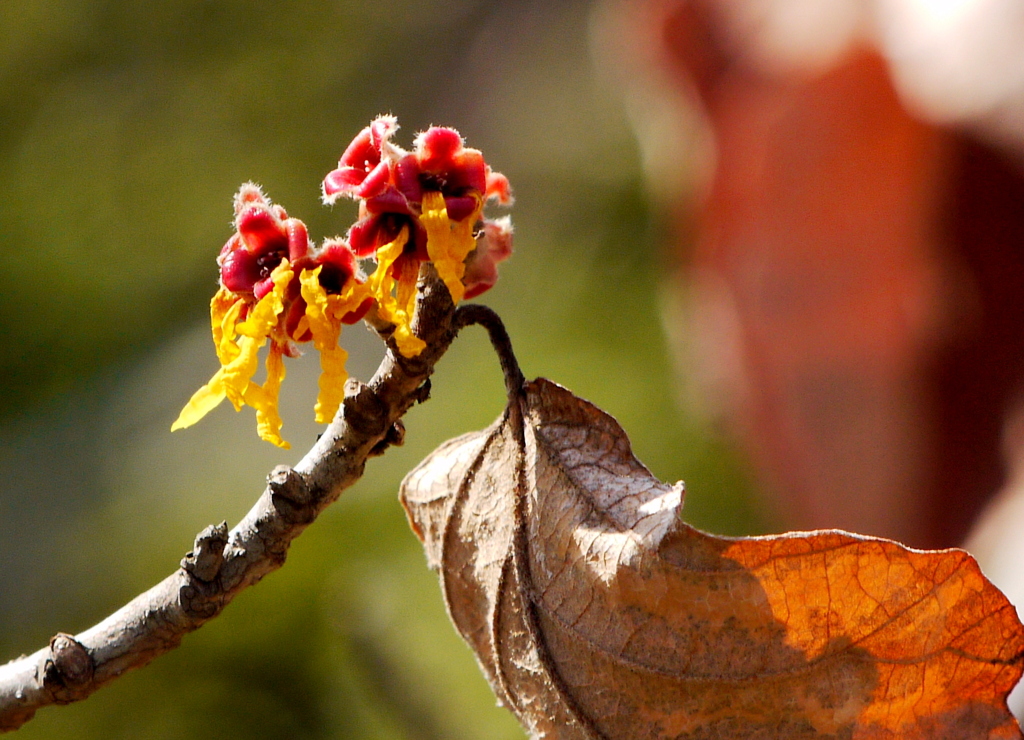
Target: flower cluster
pixel 276 285
pixel 421 206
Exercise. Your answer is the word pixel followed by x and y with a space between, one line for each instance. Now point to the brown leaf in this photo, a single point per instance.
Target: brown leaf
pixel 596 613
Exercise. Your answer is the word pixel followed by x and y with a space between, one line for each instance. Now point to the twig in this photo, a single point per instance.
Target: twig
pixel 222 564
pixel 474 313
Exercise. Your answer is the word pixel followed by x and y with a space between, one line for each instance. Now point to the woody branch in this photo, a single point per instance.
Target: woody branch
pixel 224 563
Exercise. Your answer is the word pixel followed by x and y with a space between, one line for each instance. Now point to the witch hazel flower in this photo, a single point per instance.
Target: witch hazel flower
pixel 417 207
pixel 494 245
pixel 276 286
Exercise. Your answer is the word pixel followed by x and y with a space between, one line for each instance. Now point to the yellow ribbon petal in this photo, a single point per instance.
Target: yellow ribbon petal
pixel 235 376
pixel 264 399
pixel 224 310
pixel 238 360
pixel 448 243
pixel 399 310
pixel 203 401
pixel 258 325
pixel 263 316
pixel 325 327
pixel 332 383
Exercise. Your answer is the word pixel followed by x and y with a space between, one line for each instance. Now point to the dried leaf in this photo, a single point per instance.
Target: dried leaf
pixel 595 612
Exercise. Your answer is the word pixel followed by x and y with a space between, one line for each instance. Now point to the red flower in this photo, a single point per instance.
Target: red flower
pixel 264 236
pixel 364 169
pixel 494 245
pixel 390 184
pixel 339 271
pixel 276 287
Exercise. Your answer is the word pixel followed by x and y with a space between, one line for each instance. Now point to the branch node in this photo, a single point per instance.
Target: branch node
pixel 422 394
pixel 236 563
pixel 285 483
pixel 365 412
pixel 394 437
pixel 68 667
pixel 290 495
pixel 204 560
pixel 196 602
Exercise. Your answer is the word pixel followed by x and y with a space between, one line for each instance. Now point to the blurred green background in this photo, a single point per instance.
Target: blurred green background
pixel 125 129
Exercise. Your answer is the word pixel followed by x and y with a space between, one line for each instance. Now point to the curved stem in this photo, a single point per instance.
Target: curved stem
pixel 475 313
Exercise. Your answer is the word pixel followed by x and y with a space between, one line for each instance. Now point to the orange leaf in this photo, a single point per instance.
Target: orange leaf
pixel 595 612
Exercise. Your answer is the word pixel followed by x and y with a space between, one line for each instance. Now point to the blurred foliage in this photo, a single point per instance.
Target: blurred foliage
pixel 126 128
